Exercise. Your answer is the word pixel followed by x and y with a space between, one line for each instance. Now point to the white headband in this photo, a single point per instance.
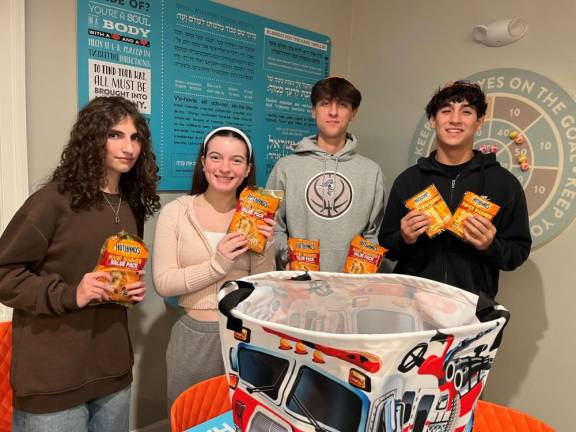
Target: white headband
pixel 232 129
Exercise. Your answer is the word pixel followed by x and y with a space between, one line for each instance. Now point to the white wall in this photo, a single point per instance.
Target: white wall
pixel 51 108
pixel 13 162
pixel 401 52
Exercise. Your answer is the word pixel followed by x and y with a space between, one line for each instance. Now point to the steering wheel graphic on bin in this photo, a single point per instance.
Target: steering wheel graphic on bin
pixel 414 357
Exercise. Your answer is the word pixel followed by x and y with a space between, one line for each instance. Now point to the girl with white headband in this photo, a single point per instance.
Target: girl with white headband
pixel 194 256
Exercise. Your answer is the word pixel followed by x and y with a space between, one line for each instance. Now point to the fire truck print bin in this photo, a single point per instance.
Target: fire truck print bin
pixel 355 353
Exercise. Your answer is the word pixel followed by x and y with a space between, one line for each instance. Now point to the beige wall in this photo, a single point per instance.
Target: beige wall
pixel 401 51
pixel 51 108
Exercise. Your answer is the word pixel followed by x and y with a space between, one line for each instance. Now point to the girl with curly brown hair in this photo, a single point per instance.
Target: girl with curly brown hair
pixel 83 167
pixel 72 363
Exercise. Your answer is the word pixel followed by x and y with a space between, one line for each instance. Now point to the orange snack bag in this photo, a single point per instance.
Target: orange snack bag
pixel 123 255
pixel 304 254
pixel 364 256
pixel 471 204
pixel 430 202
pixel 255 204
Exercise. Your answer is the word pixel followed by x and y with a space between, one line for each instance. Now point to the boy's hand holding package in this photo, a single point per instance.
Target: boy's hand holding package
pixel 413 225
pixel 479 232
pixel 472 220
pixel 428 213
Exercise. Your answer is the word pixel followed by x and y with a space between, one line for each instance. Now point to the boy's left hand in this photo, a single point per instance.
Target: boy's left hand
pixel 479 232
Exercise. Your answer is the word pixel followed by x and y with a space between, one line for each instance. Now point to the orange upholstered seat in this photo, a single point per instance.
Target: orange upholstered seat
pixel 5 389
pixel 201 402
pixel 490 417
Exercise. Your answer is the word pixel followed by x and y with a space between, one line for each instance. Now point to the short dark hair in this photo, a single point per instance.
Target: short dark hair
pixel 82 169
pixel 458 91
pixel 335 88
pixel 199 182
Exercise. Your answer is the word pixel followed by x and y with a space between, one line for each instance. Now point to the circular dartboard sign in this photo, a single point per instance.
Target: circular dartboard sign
pixel 532 119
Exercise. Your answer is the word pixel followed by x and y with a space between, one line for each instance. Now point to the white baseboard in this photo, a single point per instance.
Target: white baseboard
pixel 159 426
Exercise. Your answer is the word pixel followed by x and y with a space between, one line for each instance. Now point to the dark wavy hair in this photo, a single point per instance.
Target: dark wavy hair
pixel 82 170
pixel 335 88
pixel 199 182
pixel 458 91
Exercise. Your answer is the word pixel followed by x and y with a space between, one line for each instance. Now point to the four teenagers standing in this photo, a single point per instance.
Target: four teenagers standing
pixel 106 181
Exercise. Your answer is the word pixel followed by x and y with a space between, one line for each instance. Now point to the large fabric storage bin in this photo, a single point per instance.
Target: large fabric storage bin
pixel 342 352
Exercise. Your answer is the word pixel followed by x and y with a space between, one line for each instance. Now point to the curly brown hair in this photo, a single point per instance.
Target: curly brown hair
pixel 82 170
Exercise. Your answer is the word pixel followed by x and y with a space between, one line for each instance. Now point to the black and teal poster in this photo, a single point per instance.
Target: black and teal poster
pixel 193 65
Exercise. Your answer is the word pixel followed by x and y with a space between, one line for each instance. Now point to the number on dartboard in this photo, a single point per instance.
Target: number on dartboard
pixel 539 189
pixel 522 151
pixel 503 132
pixel 514 112
pixel 545 145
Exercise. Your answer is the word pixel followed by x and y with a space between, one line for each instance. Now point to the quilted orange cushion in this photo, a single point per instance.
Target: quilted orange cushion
pixel 5 389
pixel 201 402
pixel 490 417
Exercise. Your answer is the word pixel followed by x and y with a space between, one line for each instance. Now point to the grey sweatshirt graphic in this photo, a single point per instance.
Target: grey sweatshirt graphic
pixel 330 198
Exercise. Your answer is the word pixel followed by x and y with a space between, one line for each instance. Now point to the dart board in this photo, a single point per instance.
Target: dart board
pixel 530 124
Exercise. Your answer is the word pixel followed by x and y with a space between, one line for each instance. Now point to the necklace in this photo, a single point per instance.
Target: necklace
pixel 117 211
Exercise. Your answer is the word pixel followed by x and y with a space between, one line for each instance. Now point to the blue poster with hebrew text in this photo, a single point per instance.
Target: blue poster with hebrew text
pixel 193 65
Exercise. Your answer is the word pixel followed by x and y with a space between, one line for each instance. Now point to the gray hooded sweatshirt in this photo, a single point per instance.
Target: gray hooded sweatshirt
pixel 330 198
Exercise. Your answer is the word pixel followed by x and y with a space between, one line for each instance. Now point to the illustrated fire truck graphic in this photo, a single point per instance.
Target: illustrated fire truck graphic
pixel 287 381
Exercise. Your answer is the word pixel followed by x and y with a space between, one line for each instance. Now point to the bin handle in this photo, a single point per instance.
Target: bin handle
pixel 488 310
pixel 232 299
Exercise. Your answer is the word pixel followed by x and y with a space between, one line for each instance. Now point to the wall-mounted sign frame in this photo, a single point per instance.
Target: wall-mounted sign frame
pixel 193 65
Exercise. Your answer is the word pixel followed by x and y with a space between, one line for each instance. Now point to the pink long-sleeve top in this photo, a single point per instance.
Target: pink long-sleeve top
pixel 185 265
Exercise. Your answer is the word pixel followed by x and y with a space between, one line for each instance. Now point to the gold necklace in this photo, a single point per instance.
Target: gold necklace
pixel 117 211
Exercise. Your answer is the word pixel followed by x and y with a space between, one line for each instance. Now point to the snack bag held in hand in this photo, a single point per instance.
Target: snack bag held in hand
pixel 430 202
pixel 123 255
pixel 304 254
pixel 364 256
pixel 255 204
pixel 471 204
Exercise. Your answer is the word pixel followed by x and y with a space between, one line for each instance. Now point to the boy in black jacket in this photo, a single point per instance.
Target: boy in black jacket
pixel 456 112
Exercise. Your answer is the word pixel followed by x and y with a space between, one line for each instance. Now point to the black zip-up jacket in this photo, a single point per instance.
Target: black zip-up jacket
pixel 446 258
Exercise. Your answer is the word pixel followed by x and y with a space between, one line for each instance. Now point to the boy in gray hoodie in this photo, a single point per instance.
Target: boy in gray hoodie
pixel 332 193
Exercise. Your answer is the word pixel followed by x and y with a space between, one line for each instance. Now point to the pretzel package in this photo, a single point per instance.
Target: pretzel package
pixel 430 202
pixel 304 254
pixel 471 204
pixel 123 256
pixel 255 204
pixel 364 256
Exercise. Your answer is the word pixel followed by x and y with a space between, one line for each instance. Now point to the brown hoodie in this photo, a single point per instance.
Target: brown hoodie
pixel 62 355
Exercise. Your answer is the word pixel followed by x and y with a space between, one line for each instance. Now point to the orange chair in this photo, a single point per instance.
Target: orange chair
pixel 5 389
pixel 201 402
pixel 490 417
